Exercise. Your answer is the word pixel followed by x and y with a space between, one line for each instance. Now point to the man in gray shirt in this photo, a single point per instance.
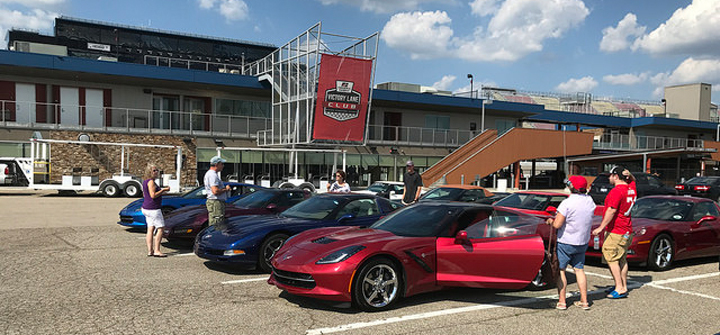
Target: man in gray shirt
pixel 216 190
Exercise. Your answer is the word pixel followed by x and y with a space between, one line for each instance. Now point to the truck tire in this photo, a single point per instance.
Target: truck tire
pixel 132 190
pixel 307 187
pixel 111 189
pixel 287 185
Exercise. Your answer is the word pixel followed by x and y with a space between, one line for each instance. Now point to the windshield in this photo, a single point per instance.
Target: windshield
pixel 316 208
pixel 378 187
pixel 417 221
pixel 703 180
pixel 443 194
pixel 197 193
pixel 256 199
pixel 661 209
pixel 536 202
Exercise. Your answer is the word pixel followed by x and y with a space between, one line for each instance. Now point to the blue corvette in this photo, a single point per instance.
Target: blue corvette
pixel 252 240
pixel 131 216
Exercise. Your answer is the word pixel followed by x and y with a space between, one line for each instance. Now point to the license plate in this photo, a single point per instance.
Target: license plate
pixel 602 189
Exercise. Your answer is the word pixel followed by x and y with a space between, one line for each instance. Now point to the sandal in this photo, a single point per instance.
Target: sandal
pixel 582 305
pixel 616 295
pixel 561 306
pixel 159 255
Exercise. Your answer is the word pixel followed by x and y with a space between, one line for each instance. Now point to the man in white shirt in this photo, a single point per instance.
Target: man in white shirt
pixel 216 190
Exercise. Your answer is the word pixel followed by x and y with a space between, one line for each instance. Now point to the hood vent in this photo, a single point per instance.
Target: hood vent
pixel 324 240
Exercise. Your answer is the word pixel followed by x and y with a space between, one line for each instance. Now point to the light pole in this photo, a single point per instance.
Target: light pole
pixel 471 85
pixel 482 116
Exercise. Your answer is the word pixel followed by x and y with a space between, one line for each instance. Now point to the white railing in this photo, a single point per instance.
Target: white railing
pixel 191 64
pixel 417 136
pixel 33 115
pixel 114 119
pixel 627 142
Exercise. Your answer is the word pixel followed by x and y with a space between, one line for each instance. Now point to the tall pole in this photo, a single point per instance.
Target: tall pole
pixel 472 91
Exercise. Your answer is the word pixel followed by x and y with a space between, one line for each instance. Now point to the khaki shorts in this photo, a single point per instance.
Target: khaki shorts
pixel 615 247
pixel 216 211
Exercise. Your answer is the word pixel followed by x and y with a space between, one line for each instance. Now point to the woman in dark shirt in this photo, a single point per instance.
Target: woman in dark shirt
pixel 151 208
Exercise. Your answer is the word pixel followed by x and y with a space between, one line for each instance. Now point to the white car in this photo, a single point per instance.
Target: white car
pixel 392 190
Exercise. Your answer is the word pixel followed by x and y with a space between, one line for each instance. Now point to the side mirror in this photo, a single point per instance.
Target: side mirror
pixel 346 217
pixel 551 209
pixel 462 238
pixel 272 207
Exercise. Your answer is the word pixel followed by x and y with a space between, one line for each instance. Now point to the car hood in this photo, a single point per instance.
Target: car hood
pixel 240 227
pixel 343 237
pixel 184 215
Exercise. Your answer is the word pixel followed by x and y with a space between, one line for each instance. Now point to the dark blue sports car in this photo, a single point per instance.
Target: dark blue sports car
pixel 131 216
pixel 252 240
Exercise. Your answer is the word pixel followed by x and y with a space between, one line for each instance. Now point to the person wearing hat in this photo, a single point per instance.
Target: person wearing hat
pixel 618 228
pixel 573 220
pixel 413 184
pixel 216 191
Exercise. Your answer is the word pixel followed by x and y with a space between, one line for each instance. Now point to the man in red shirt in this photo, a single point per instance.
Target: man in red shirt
pixel 618 228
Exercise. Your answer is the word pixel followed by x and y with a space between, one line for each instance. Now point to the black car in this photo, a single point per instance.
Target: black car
pixel 647 184
pixel 703 187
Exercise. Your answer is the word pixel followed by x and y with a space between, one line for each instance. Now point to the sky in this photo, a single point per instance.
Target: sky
pixel 624 49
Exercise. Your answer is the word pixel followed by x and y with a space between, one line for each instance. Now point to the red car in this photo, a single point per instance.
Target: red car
pixel 670 228
pixel 421 248
pixel 185 223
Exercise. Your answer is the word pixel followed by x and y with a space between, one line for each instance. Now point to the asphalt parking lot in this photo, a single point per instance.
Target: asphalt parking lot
pixel 68 268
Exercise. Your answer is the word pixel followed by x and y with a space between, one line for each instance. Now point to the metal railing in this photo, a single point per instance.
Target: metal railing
pixel 114 119
pixel 33 115
pixel 192 64
pixel 631 143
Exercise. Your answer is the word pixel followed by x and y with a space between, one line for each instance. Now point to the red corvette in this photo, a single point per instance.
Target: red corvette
pixel 422 248
pixel 668 228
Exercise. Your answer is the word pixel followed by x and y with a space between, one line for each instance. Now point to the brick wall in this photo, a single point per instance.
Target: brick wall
pixel 107 158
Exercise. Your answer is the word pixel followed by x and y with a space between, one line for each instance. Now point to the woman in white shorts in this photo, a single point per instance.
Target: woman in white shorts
pixel 151 208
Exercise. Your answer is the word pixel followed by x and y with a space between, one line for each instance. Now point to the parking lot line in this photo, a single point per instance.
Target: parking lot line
pixel 239 281
pixel 513 303
pixel 184 254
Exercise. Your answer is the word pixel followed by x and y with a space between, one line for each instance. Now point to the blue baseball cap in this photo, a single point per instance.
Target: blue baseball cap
pixel 217 159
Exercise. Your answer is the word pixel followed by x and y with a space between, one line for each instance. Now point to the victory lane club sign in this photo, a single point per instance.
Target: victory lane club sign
pixel 343 93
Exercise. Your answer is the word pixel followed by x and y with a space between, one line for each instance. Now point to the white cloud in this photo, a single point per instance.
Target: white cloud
pixel 35 19
pixel 206 4
pixel 690 71
pixel 232 10
pixel 33 3
pixel 690 30
pixel 444 83
pixel 584 84
pixel 380 6
pixel 518 28
pixel 616 38
pixel 626 78
pixel 484 7
pixel 422 34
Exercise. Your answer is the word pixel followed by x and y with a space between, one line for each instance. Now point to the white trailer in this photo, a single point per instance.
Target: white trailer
pixel 122 183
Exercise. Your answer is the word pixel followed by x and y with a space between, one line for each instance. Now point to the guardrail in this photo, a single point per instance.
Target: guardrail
pixel 627 142
pixel 417 136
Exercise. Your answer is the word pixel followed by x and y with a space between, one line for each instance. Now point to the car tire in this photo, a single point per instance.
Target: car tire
pixel 378 285
pixel 111 190
pixel 661 254
pixel 268 249
pixel 132 190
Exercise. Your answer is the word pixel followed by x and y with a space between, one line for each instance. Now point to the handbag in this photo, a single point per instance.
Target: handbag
pixel 551 268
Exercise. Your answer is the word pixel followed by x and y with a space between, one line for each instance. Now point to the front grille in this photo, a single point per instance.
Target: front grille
pixel 296 279
pixel 126 219
pixel 205 250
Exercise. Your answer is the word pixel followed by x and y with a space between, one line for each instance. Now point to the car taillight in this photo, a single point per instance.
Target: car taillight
pixel 679 187
pixel 7 170
pixel 701 188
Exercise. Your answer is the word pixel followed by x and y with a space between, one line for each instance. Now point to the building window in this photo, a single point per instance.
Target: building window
pixel 259 109
pixel 437 122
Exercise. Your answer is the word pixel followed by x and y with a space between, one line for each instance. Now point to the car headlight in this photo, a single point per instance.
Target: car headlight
pixel 233 252
pixel 340 255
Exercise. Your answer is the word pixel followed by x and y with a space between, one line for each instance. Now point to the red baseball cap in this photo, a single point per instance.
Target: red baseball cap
pixel 578 182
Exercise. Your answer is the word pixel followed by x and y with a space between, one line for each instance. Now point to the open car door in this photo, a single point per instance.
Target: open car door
pixel 501 251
